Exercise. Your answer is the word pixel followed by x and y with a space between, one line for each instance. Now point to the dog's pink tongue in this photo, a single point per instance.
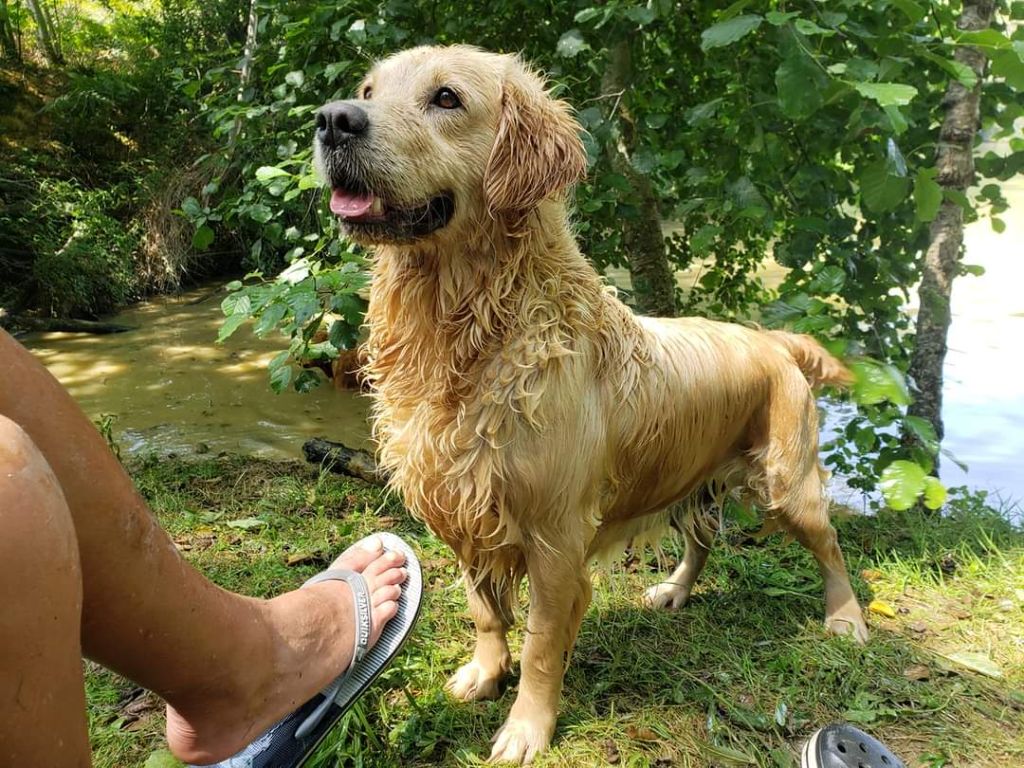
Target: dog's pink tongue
pixel 349 204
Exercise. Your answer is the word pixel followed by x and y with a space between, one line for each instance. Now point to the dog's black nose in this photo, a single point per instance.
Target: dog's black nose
pixel 339 121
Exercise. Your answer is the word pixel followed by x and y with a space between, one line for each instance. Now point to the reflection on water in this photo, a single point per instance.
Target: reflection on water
pixel 170 388
pixel 983 392
pixel 983 396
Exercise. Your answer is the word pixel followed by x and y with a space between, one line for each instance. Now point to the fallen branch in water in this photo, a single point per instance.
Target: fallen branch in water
pixel 343 460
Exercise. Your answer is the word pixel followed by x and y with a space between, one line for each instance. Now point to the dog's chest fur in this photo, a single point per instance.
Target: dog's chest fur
pixel 458 385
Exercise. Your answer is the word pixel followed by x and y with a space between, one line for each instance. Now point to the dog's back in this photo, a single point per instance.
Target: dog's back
pixel 709 401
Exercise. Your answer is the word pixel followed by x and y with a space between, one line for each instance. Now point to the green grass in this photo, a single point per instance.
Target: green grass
pixel 739 676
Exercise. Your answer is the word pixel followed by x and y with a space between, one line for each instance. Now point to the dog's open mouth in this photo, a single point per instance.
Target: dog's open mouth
pixel 366 213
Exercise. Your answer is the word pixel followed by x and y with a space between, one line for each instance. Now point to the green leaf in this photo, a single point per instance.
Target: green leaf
pixel 959 70
pixel 587 14
pixel 800 82
pixel 280 377
pixel 881 190
pixel 985 38
pixel 247 523
pixel 162 758
pixel 875 383
pixel 232 324
pixel 267 172
pixel 570 44
pixel 295 78
pixel 927 194
pixel 728 32
pixel 270 319
pixel 640 14
pixel 861 716
pixel 978 662
pixel 342 335
pixel 332 70
pixel 934 492
pixel 886 94
pixel 923 430
pixel 896 119
pixel 242 306
pixel 829 280
pixel 1009 66
pixel 807 27
pixel 998 225
pixel 901 483
pixel 260 213
pixel 191 208
pixel 728 754
pixel 913 11
pixel 202 238
pixel 778 18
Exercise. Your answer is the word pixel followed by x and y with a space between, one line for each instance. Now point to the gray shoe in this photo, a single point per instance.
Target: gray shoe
pixel 843 746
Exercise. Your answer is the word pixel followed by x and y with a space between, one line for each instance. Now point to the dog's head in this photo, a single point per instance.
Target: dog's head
pixel 439 138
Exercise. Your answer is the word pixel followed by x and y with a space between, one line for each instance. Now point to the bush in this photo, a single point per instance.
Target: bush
pixel 85 255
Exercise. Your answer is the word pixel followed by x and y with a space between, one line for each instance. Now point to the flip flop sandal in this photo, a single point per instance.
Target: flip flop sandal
pixel 290 742
pixel 843 746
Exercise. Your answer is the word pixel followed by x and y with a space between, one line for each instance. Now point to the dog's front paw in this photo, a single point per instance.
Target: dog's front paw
pixel 520 739
pixel 473 683
pixel 666 595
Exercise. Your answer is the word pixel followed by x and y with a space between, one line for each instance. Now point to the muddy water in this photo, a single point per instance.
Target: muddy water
pixel 171 389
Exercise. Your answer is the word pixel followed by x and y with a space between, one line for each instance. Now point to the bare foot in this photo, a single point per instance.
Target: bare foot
pixel 310 639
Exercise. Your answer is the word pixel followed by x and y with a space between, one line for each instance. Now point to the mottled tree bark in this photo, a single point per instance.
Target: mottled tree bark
pixel 45 32
pixel 654 282
pixel 955 170
pixel 8 46
pixel 245 75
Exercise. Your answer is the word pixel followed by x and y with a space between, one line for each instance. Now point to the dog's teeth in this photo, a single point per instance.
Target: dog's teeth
pixel 378 207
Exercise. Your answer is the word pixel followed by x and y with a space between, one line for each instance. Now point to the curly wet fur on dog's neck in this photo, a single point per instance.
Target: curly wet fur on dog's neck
pixel 459 351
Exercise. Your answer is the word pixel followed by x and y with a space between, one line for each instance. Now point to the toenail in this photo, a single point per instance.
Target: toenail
pixel 373 544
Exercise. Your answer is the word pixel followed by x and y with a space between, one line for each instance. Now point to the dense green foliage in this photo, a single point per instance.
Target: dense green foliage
pixel 804 135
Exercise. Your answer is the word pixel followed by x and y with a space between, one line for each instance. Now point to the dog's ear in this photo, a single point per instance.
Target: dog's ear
pixel 537 151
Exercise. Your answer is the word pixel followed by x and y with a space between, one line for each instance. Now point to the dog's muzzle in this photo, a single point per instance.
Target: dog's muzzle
pixel 362 204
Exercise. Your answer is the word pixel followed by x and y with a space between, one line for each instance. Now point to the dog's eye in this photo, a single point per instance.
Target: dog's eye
pixel 367 93
pixel 446 98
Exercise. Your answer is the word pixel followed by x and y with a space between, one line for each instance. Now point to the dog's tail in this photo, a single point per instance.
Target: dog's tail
pixel 818 366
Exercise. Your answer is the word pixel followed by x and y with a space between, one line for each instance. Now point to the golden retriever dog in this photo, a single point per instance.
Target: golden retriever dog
pixel 521 410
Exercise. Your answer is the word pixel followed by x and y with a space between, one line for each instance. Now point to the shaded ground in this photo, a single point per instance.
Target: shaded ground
pixel 738 677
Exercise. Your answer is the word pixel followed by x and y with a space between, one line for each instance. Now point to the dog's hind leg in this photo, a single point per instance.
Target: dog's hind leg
pixel 698 528
pixel 796 503
pixel 490 605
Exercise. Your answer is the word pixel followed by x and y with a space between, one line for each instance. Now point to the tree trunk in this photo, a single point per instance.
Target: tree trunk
pixel 8 46
pixel 248 53
pixel 654 282
pixel 954 163
pixel 45 32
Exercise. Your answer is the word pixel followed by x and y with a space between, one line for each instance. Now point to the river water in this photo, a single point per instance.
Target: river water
pixel 170 389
